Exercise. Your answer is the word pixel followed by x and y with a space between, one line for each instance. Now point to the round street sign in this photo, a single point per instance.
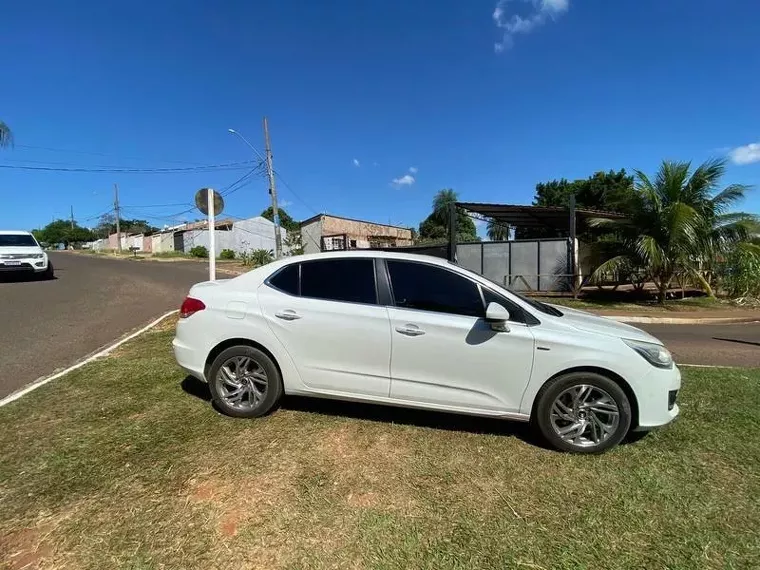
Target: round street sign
pixel 201 201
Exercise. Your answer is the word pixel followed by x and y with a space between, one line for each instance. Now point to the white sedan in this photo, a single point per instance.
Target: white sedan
pixel 21 254
pixel 417 331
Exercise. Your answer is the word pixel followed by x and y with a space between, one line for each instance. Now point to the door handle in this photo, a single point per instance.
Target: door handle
pixel 410 330
pixel 287 315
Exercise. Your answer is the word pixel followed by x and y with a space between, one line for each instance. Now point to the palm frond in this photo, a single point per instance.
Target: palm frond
pixel 705 178
pixel 612 265
pixel 651 252
pixel 729 196
pixel 683 222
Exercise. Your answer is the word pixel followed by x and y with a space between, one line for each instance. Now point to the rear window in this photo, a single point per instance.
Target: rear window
pixel 17 240
pixel 286 280
pixel 346 280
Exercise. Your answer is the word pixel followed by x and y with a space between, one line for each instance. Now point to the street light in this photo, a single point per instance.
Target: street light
pixel 270 173
pixel 245 140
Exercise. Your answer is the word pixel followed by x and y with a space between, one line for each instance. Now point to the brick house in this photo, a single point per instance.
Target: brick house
pixel 324 232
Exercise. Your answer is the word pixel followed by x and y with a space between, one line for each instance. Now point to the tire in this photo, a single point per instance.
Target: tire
pixel 587 428
pixel 258 393
pixel 49 272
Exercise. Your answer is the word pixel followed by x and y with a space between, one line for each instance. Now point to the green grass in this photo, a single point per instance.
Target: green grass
pixel 116 466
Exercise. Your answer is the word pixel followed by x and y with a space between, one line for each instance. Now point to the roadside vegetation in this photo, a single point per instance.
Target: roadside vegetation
pixel 123 464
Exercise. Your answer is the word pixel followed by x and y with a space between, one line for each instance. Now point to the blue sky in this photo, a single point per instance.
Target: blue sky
pixel 482 96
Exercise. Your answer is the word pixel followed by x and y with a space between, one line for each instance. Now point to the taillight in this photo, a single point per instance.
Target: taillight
pixel 190 306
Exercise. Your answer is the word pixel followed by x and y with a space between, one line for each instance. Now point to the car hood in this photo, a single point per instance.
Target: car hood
pixel 589 322
pixel 31 250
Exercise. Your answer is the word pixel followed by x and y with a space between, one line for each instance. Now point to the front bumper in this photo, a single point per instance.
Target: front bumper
pixel 23 265
pixel 657 396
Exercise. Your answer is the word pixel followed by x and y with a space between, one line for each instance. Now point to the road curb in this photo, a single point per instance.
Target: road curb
pixel 681 320
pixel 101 353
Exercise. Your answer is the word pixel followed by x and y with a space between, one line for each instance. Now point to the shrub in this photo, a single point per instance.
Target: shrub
pixel 740 272
pixel 261 256
pixel 199 251
pixel 227 254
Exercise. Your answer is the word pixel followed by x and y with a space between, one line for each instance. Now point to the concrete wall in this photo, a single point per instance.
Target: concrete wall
pixel 162 242
pixel 311 235
pixel 245 235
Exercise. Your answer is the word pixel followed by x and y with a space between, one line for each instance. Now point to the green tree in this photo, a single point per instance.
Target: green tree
pixel 60 231
pixel 497 231
pixel 286 221
pixel 606 191
pixel 107 226
pixel 6 136
pixel 435 228
pixel 676 224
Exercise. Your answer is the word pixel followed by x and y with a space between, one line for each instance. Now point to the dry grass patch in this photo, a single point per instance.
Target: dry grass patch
pixel 120 465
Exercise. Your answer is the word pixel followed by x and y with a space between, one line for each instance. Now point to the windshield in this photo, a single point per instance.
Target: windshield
pixel 17 240
pixel 538 305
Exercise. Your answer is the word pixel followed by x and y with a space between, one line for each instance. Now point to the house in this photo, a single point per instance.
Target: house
pixel 324 232
pixel 239 236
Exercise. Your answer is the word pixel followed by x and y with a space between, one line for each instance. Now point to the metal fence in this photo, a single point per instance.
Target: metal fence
pixel 523 265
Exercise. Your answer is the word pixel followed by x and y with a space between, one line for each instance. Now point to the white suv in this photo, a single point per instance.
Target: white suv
pixel 416 331
pixel 20 253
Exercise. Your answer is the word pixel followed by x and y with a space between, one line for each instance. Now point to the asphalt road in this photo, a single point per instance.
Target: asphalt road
pixel 716 345
pixel 49 325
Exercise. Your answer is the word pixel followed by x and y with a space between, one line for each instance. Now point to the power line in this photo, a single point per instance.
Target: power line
pixel 206 168
pixel 293 192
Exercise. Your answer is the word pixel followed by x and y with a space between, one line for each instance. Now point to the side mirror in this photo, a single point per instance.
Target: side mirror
pixel 497 316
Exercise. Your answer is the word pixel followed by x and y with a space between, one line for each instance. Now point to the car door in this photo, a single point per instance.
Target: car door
pixel 326 315
pixel 443 352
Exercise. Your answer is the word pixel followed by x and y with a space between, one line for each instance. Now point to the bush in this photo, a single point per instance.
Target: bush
pixel 740 272
pixel 199 251
pixel 227 254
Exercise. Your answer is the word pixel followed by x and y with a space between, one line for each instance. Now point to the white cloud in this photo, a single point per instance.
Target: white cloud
pixel 284 204
pixel 356 162
pixel 405 180
pixel 746 154
pixel 413 169
pixel 513 24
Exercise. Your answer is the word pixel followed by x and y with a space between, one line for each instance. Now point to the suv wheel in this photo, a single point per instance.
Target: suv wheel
pixel 244 382
pixel 583 412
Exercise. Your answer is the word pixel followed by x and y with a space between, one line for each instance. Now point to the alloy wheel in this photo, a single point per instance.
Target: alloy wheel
pixel 584 415
pixel 242 383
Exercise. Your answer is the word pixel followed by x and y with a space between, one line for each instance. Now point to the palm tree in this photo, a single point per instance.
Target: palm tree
pixel 677 224
pixel 443 199
pixel 6 136
pixel 497 231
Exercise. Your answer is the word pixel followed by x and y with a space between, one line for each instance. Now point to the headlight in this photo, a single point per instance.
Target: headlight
pixel 656 354
pixel 37 255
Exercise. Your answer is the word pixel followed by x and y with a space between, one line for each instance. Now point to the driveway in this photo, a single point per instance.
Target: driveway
pixel 48 325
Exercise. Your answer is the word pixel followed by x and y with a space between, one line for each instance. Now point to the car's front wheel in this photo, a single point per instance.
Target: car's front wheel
pixel 244 382
pixel 583 412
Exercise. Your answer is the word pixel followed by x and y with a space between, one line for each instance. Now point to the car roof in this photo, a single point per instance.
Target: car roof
pixel 15 232
pixel 367 253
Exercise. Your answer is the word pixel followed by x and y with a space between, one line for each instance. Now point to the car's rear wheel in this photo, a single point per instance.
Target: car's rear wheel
pixel 244 382
pixel 583 412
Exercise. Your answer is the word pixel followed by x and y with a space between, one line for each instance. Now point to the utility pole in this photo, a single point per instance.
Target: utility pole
pixel 72 217
pixel 116 211
pixel 272 193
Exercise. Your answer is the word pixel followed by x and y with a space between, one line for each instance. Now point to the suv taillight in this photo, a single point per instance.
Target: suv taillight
pixel 190 306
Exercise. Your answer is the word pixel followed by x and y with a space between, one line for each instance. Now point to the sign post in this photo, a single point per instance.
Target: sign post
pixel 210 202
pixel 211 236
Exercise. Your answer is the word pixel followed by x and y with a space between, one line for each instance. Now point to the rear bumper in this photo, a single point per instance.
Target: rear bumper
pixel 657 397
pixel 189 359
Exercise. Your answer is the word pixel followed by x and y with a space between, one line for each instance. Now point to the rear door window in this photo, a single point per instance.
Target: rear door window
pixel 345 280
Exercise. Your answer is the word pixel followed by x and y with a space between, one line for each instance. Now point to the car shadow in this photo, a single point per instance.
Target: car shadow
pixel 391 414
pixel 404 416
pixel 22 278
